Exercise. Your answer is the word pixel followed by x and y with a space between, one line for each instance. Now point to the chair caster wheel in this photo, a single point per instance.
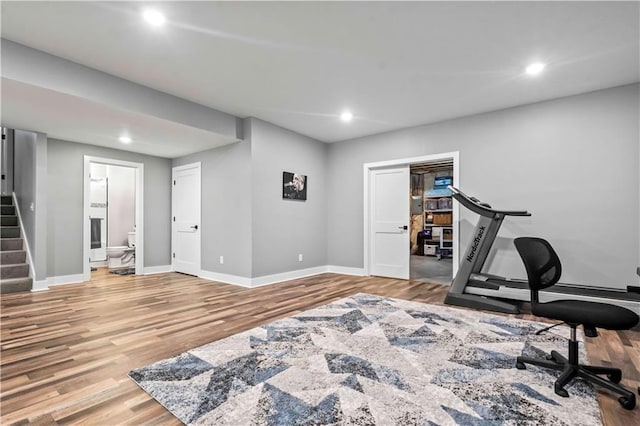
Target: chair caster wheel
pixel 549 357
pixel 615 377
pixel 627 403
pixel 560 391
pixel 521 366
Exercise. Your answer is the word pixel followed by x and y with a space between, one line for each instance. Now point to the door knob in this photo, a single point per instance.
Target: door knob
pixel 194 227
pixel 405 227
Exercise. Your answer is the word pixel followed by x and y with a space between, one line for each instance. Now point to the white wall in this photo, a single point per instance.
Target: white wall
pixel 98 202
pixel 122 204
pixel 572 162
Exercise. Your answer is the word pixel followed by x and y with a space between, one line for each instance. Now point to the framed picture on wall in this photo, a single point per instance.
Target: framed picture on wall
pixel 294 186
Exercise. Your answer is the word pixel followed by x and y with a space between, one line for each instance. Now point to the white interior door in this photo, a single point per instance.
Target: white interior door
pixel 185 235
pixel 389 210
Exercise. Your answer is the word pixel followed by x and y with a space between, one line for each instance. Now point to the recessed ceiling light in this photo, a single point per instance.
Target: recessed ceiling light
pixel 153 17
pixel 535 69
pixel 346 116
pixel 124 139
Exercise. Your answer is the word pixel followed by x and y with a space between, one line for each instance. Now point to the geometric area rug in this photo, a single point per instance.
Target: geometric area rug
pixel 371 360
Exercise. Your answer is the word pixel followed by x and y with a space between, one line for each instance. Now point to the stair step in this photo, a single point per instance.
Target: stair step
pixel 11 244
pixel 15 285
pixel 6 220
pixel 13 257
pixel 10 210
pixel 10 232
pixel 14 271
pixel 6 200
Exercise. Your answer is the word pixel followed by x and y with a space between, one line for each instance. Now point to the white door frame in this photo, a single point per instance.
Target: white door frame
pixel 173 208
pixel 368 167
pixel 139 172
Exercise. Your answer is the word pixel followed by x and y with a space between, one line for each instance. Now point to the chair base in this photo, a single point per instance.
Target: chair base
pixel 571 369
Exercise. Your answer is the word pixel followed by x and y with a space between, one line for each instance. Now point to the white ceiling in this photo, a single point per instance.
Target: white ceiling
pixel 299 64
pixel 76 119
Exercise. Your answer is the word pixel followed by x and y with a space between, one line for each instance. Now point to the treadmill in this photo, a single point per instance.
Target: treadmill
pixel 474 289
pixel 471 287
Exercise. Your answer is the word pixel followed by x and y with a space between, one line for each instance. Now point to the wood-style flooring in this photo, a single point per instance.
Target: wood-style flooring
pixel 66 352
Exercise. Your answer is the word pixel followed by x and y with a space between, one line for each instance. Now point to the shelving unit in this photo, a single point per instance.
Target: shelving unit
pixel 440 222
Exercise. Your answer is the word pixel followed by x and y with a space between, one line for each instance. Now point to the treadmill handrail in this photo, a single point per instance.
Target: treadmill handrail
pixel 479 208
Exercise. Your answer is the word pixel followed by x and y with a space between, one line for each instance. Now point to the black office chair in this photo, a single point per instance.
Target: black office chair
pixel 543 270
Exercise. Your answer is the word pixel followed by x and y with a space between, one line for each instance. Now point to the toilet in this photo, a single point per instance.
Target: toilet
pixel 123 256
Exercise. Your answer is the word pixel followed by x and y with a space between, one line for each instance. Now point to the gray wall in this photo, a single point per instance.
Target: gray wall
pixel 226 206
pixel 30 186
pixel 572 162
pixel 282 229
pixel 244 217
pixel 65 205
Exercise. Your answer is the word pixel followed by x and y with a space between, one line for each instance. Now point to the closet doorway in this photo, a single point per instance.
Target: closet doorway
pixel 432 226
pixel 401 257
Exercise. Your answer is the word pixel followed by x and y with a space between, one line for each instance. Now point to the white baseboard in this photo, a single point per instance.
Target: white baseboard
pixel 346 270
pixel 286 276
pixel 215 276
pixel 65 279
pixel 40 285
pixel 225 278
pixel 276 278
pixel 162 269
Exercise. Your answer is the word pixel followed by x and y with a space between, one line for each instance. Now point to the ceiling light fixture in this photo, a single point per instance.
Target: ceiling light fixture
pixel 346 116
pixel 124 139
pixel 535 69
pixel 153 17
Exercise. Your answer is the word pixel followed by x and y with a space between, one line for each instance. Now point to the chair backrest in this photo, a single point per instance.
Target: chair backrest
pixel 541 262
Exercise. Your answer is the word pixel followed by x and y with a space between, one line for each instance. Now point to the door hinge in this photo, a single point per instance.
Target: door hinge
pixel 174 182
pixel 174 255
pixel 174 218
pixel 4 136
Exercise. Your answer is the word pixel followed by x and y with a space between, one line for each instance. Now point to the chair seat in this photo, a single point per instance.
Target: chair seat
pixel 591 314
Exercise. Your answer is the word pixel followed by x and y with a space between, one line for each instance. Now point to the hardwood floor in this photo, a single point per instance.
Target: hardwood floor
pixel 66 352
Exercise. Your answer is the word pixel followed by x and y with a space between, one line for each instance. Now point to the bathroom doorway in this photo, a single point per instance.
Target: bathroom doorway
pixel 113 226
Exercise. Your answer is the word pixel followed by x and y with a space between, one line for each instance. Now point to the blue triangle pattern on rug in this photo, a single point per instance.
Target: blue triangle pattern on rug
pixel 282 408
pixel 351 321
pixel 483 358
pixel 183 367
pixel 353 383
pixel 370 360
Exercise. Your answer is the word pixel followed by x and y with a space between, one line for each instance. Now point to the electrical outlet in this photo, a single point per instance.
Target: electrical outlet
pixel 300 257
pixel 221 260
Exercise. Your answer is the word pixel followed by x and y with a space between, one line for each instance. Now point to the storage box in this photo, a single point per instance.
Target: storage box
pixel 444 203
pixel 431 204
pixel 442 181
pixel 447 234
pixel 430 249
pixel 443 218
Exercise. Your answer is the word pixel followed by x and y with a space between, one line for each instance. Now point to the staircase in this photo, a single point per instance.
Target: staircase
pixel 14 269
